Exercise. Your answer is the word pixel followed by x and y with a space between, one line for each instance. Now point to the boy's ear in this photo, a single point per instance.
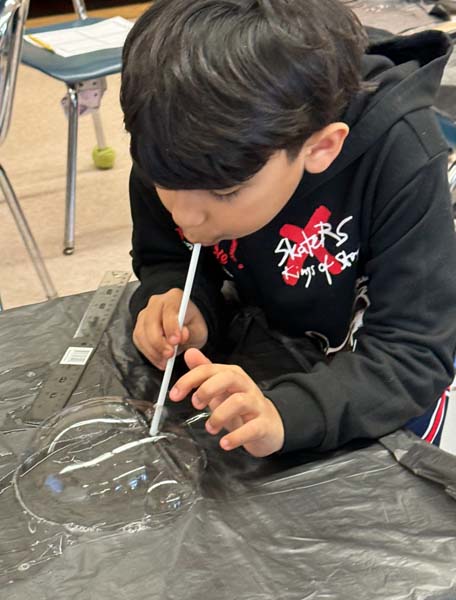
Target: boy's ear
pixel 323 147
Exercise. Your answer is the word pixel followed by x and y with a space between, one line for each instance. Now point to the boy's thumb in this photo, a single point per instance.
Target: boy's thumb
pixel 195 358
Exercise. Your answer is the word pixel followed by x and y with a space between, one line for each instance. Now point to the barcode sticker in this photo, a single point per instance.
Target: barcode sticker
pixel 76 356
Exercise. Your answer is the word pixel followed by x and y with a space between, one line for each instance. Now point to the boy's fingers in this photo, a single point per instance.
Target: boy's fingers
pixel 212 405
pixel 249 432
pixel 236 405
pixel 170 321
pixel 215 402
pixel 198 375
pixel 185 335
pixel 140 339
pixel 154 335
pixel 223 383
pixel 145 348
pixel 195 358
pixel 148 338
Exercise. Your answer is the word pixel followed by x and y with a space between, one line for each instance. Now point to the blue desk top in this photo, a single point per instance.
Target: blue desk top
pixel 76 68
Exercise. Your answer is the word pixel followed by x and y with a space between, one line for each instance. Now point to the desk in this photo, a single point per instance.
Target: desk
pixel 404 17
pixel 353 524
pixel 397 16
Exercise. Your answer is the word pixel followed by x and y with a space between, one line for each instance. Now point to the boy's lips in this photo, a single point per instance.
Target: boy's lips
pixel 204 242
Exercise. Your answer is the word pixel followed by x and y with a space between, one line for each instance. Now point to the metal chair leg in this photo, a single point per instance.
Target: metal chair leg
pixel 27 235
pixel 70 207
pixel 452 176
pixel 80 8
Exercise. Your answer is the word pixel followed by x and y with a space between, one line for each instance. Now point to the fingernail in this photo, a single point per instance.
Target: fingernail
pixel 174 340
pixel 210 428
pixel 225 444
pixel 174 393
pixel 196 401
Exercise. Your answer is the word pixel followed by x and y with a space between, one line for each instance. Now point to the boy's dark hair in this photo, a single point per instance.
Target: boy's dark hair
pixel 212 88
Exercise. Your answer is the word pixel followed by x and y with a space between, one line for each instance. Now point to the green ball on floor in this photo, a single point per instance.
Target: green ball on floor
pixel 103 158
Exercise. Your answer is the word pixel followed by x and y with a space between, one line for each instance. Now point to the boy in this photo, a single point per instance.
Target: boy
pixel 310 170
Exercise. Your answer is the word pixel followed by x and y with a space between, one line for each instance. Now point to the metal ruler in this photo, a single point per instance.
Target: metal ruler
pixel 64 378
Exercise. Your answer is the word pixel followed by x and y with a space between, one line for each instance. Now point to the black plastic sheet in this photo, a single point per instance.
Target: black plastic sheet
pixel 355 523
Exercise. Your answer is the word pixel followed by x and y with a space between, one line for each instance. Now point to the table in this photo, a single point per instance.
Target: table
pixel 355 523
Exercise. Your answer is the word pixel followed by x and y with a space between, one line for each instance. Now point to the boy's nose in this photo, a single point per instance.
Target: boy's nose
pixel 187 210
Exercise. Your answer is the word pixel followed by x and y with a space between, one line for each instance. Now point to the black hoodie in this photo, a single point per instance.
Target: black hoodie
pixel 378 220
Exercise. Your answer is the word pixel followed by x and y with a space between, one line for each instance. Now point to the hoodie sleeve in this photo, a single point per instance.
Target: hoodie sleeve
pixel 404 354
pixel 161 258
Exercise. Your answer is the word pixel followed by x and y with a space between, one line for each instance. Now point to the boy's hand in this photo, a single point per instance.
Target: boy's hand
pixel 236 403
pixel 157 328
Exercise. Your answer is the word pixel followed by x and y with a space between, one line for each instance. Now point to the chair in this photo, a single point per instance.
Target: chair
pixel 13 14
pixel 78 73
pixel 448 127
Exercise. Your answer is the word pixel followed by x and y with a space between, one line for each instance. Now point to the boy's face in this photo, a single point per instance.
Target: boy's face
pixel 209 216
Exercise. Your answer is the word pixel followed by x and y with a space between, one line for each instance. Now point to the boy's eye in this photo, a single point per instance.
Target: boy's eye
pixel 228 196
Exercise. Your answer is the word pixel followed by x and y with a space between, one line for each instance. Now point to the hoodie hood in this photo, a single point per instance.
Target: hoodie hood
pixel 402 75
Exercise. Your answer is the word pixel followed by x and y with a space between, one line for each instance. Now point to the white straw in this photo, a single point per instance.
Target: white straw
pixel 170 363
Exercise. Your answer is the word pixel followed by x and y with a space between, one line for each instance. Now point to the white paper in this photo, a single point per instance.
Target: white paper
pixel 110 33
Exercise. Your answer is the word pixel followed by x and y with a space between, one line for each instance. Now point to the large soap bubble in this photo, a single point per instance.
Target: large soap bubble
pixel 94 466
